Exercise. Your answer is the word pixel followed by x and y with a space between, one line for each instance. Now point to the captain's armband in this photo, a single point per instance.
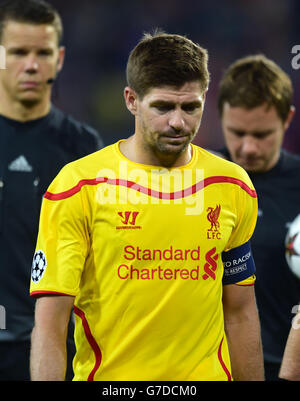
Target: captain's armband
pixel 239 266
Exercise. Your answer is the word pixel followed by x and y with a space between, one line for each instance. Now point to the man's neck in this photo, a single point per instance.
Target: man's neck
pixel 133 152
pixel 21 112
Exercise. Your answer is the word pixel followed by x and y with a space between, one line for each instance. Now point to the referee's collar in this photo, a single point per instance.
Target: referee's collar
pixel 274 170
pixel 28 124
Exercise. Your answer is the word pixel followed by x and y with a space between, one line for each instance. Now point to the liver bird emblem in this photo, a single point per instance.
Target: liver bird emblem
pixel 212 216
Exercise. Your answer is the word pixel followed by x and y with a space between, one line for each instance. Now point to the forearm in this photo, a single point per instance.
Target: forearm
pixel 48 359
pixel 244 342
pixel 48 356
pixel 242 328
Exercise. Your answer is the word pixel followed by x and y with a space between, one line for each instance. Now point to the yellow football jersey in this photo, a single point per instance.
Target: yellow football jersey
pixel 140 248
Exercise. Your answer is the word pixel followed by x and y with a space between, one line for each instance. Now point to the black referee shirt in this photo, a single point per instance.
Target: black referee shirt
pixel 31 155
pixel 277 289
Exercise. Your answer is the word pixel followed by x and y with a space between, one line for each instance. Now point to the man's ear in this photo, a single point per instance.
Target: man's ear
pixel 61 58
pixel 204 97
pixel 289 118
pixel 131 99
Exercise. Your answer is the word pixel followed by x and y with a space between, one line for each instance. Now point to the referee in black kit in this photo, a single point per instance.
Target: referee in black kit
pixel 36 141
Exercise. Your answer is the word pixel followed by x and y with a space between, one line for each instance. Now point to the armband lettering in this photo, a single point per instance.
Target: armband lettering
pixel 238 264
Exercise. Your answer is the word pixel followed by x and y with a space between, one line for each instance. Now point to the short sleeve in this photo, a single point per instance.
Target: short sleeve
pixel 63 241
pixel 239 266
pixel 245 204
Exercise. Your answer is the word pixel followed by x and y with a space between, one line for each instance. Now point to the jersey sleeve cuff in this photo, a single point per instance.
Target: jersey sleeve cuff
pixel 39 293
pixel 248 281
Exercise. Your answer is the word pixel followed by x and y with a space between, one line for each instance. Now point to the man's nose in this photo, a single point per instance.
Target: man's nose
pixel 176 120
pixel 249 145
pixel 31 64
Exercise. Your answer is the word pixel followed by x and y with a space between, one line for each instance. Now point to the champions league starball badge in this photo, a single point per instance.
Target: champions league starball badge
pixel 39 264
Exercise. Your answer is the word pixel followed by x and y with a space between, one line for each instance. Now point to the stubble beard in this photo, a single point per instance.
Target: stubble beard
pixel 166 153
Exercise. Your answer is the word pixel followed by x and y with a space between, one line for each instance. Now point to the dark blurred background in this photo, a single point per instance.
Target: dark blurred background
pixel 99 35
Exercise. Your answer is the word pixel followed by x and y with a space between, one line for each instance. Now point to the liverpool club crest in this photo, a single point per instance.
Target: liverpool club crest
pixel 213 216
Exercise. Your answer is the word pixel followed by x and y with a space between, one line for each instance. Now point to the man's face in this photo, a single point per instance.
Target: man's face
pixel 168 118
pixel 254 137
pixel 32 57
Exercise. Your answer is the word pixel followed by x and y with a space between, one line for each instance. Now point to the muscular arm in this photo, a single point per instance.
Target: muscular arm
pixel 48 357
pixel 243 332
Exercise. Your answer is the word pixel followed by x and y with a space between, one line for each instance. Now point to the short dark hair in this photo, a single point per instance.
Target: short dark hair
pixel 30 11
pixel 161 59
pixel 254 80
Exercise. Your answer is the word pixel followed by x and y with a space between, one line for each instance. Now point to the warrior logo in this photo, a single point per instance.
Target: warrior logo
pixel 213 216
pixel 128 220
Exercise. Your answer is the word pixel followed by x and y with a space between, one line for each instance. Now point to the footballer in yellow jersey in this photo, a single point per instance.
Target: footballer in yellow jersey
pixel 145 251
